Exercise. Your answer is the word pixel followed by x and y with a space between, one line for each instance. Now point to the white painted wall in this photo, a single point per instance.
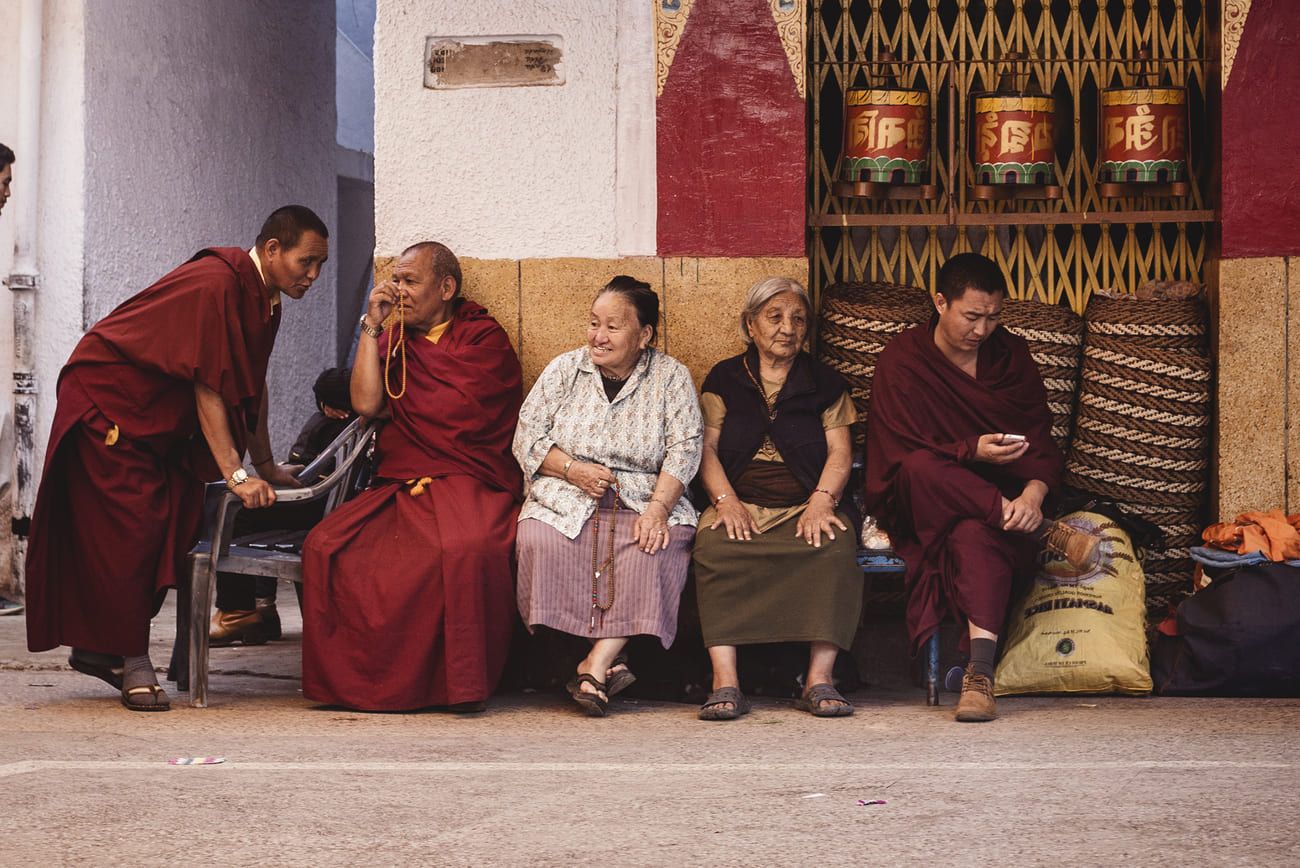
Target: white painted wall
pixel 515 172
pixel 200 119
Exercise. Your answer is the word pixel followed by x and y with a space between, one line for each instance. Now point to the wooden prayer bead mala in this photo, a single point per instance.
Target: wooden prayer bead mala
pixel 608 565
pixel 399 345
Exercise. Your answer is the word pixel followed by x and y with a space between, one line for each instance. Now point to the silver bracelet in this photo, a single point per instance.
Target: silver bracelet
pixel 720 498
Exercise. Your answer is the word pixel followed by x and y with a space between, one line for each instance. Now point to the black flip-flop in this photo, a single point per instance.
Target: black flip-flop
pixel 592 703
pixel 98 666
pixel 160 700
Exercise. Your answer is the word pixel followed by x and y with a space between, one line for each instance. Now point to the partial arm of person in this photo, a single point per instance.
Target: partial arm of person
pixel 819 517
pixel 1025 513
pixel 535 448
pixel 254 492
pixel 683 438
pixel 651 527
pixel 259 450
pixel 367 384
pixel 729 511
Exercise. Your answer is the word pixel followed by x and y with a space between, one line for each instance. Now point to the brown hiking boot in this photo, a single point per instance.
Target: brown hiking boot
pixel 976 704
pixel 1078 547
pixel 245 627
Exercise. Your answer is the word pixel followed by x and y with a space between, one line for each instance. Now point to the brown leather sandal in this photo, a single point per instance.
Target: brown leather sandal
pixel 593 704
pixel 619 681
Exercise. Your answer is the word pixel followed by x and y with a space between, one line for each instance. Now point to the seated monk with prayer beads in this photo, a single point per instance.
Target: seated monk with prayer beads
pixel 959 463
pixel 408 589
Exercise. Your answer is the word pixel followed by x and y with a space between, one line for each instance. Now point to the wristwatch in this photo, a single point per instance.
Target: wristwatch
pixel 239 477
pixel 373 331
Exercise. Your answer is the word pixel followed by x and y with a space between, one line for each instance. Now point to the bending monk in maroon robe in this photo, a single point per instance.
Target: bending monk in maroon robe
pixel 408 590
pixel 121 498
pixel 948 476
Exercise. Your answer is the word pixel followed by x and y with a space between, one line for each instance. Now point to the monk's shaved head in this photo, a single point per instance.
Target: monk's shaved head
pixel 445 263
pixel 287 225
pixel 970 271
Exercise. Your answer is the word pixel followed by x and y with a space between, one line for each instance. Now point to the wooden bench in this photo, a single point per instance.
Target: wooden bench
pixel 266 553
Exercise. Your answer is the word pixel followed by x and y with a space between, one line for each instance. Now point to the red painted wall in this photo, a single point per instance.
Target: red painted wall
pixel 731 139
pixel 1261 136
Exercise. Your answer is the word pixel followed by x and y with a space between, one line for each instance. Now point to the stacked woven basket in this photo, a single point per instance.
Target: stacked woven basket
pixel 1055 337
pixel 1142 431
pixel 857 321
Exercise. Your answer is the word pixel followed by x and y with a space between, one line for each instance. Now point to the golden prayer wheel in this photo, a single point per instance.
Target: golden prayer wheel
pixel 1014 135
pixel 1144 134
pixel 886 133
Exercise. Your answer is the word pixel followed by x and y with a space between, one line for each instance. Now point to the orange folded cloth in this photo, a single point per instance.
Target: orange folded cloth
pixel 1274 533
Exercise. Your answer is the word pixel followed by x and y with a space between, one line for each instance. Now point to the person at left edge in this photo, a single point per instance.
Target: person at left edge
pixel 121 497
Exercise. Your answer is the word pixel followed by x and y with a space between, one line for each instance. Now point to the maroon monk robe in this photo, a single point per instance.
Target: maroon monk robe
pixel 408 590
pixel 113 523
pixel 941 508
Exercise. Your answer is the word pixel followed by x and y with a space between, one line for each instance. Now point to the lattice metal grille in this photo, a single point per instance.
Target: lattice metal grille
pixel 1051 250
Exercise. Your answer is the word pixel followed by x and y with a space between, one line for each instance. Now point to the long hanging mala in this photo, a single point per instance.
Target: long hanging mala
pixel 398 345
pixel 607 566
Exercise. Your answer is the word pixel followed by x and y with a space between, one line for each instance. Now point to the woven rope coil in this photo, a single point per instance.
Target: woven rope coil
pixel 1054 335
pixel 1142 432
pixel 857 322
pixel 1154 323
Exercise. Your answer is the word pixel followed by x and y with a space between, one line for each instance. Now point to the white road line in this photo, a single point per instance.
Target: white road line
pixel 28 766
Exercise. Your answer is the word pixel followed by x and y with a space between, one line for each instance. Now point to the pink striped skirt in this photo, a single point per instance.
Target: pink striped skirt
pixel 555 580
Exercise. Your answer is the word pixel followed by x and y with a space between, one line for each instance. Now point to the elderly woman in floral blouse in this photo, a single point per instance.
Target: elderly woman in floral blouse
pixel 608 439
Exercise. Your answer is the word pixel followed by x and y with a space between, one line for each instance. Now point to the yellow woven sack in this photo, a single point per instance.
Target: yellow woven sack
pixel 1080 632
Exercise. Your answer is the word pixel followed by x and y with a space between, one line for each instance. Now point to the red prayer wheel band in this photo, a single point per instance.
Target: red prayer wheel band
pixel 887 132
pixel 1014 138
pixel 1144 133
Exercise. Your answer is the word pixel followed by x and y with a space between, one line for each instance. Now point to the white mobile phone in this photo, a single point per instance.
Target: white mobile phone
pixel 1013 438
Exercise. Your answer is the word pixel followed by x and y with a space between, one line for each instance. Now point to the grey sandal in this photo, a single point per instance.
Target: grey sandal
pixel 713 709
pixel 814 696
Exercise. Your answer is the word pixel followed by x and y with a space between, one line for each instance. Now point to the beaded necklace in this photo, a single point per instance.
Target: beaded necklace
pixel 770 401
pixel 399 345
pixel 607 566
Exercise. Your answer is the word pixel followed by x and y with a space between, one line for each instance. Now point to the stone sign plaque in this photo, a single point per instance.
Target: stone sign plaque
pixel 452 62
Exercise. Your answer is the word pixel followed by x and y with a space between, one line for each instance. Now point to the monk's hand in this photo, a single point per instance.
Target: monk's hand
pixel 735 518
pixel 280 475
pixel 334 412
pixel 992 450
pixel 593 479
pixel 1024 514
pixel 381 302
pixel 651 529
pixel 818 520
pixel 255 493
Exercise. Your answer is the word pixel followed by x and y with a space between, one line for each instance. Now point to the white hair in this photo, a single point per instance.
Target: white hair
pixel 764 291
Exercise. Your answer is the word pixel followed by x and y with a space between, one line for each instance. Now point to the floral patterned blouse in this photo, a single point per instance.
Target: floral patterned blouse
pixel 652 424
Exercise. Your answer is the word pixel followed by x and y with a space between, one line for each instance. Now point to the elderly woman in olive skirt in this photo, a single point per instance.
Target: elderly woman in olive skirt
pixel 775 555
pixel 608 439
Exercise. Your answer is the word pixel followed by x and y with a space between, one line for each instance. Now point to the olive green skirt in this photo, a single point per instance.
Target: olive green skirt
pixel 777 588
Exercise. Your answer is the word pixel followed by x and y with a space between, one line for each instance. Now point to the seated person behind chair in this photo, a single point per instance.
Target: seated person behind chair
pixel 775 556
pixel 246 611
pixel 408 591
pixel 948 475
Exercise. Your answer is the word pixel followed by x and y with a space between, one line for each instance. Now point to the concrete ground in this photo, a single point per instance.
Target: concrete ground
pixel 1093 780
